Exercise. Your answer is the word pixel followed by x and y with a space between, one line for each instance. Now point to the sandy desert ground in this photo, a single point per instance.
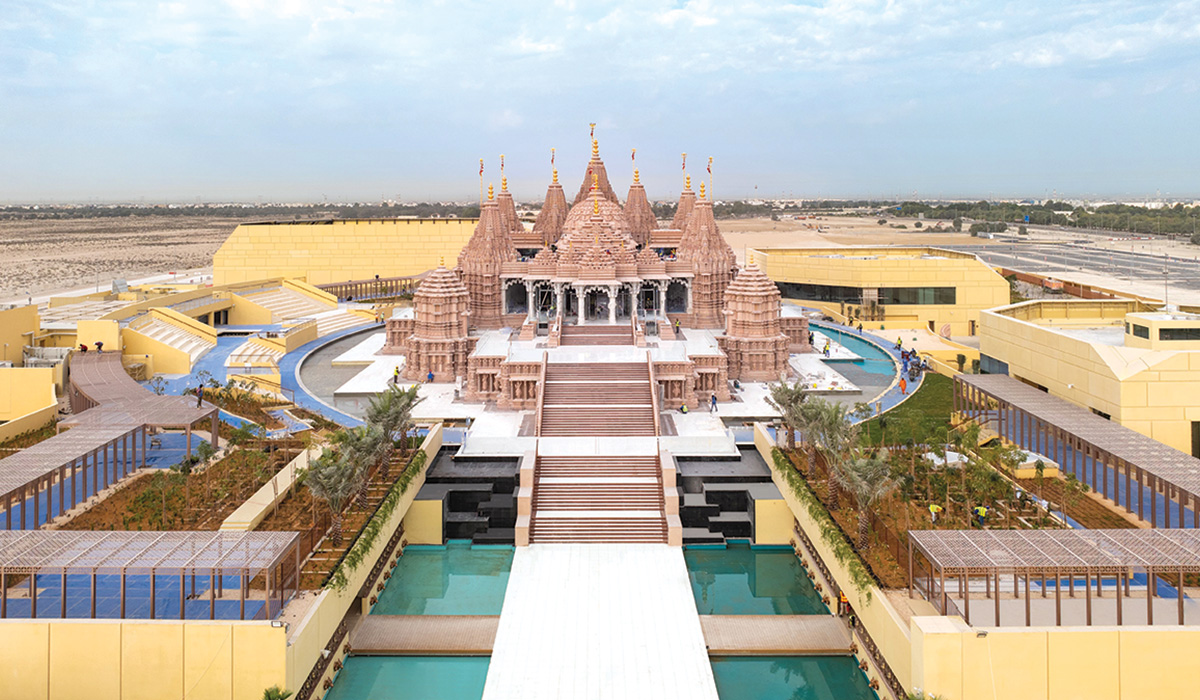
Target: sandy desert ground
pixel 43 256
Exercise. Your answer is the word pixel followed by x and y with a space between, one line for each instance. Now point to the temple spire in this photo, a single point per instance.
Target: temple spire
pixel 637 208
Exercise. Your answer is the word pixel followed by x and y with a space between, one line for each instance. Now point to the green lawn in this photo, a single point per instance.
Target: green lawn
pixel 928 409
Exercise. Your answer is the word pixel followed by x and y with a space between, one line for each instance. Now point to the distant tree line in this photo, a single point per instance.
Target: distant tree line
pixel 1177 219
pixel 255 213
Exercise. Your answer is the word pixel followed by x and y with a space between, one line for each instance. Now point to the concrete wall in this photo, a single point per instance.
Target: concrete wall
pixel 17 326
pixel 158 356
pixel 1056 663
pixel 259 506
pixel 423 522
pixel 978 285
pixel 105 331
pixel 136 660
pixel 27 399
pixel 341 250
pixel 1150 391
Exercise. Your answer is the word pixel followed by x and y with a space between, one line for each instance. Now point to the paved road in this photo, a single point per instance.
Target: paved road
pixel 1063 258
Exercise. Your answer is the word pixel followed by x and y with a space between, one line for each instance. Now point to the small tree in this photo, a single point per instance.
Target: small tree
pixel 276 693
pixel 788 400
pixel 961 359
pixel 333 479
pixel 1073 490
pixel 868 477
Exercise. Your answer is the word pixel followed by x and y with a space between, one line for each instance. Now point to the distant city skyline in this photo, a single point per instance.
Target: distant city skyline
pixel 298 101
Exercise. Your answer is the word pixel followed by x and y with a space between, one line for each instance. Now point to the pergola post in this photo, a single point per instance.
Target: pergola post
pixel 1141 493
pixel 1028 617
pixel 189 440
pixel 1087 589
pixel 62 487
pixel 1120 601
pixel 62 598
pixel 242 594
pixel 152 595
pixel 966 595
pixel 182 593
pixel 910 556
pixel 216 430
pixel 1179 592
pixel 32 592
pixel 1153 500
pixel 996 598
pixel 1058 597
pixel 93 597
pixel 122 593
pixel 212 594
pixel 1149 595
pixel 1128 491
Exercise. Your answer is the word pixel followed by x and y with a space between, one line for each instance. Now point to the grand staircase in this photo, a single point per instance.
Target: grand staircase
pixel 598 399
pixel 598 499
pixel 595 498
pixel 286 303
pixel 620 334
pixel 193 344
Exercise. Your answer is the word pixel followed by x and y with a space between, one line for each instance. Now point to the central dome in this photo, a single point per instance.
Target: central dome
pixel 611 214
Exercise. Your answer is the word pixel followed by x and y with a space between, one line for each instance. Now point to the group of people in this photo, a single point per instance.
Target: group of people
pixel 980 512
pixel 83 348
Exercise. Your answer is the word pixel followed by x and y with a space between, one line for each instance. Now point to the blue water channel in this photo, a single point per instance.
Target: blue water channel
pixel 790 678
pixel 456 579
pixel 411 678
pixel 875 360
pixel 737 579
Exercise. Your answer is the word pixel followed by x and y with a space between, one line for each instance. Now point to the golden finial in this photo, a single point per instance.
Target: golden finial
pixel 596 205
pixel 595 148
pixel 442 261
pixel 635 176
pixel 556 176
pixel 702 189
pixel 595 180
pixel 491 192
pixel 687 183
pixel 503 183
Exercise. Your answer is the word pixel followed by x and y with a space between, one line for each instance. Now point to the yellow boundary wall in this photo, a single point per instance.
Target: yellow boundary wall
pixel 27 394
pixel 882 621
pixel 159 356
pixel 314 631
pixel 140 659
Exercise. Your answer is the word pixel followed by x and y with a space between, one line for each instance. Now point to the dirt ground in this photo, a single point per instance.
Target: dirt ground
pixel 831 231
pixel 42 256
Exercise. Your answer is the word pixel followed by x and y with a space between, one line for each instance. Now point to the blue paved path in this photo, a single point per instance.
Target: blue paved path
pixel 891 396
pixel 289 373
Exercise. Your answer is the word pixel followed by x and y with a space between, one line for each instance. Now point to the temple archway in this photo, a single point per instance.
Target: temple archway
pixel 516 298
pixel 677 297
pixel 595 305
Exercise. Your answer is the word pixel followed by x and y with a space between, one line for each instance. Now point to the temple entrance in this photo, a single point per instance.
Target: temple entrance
pixel 649 299
pixel 571 305
pixel 677 298
pixel 516 299
pixel 544 301
pixel 624 298
pixel 595 305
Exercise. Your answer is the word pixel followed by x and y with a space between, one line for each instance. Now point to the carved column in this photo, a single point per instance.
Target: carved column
pixel 529 313
pixel 612 305
pixel 580 312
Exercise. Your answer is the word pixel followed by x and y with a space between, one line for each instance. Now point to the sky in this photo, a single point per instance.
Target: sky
pixel 289 100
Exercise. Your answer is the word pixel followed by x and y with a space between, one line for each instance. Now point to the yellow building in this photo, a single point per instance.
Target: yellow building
pixel 1121 359
pixel 941 290
pixel 335 251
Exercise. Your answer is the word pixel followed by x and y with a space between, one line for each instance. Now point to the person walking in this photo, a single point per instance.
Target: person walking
pixel 934 509
pixel 713 404
pixel 903 386
pixel 843 604
pixel 199 395
pixel 677 329
pixel 396 375
pixel 860 329
pixel 429 377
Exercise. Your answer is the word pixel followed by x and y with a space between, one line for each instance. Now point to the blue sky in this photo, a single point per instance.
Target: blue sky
pixel 297 99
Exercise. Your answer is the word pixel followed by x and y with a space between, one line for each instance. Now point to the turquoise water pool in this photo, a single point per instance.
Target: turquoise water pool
pixel 790 678
pixel 458 579
pixel 411 678
pixel 875 360
pixel 740 580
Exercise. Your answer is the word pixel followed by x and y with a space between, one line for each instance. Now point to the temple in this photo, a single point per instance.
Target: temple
pixel 596 273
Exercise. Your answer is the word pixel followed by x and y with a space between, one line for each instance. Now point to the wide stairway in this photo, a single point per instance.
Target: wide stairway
pixel 620 334
pixel 598 499
pixel 334 322
pixel 286 303
pixel 597 399
pixel 193 344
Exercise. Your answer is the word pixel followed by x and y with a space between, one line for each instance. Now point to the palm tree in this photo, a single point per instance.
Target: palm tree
pixel 363 447
pixel 836 437
pixel 788 399
pixel 868 476
pixel 391 411
pixel 333 479
pixel 809 418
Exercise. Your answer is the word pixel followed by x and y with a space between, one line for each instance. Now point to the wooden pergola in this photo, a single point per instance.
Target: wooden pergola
pixel 178 558
pixel 1096 450
pixel 1048 555
pixel 76 464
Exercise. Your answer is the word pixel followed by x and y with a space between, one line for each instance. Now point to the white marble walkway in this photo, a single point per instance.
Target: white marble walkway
pixel 593 621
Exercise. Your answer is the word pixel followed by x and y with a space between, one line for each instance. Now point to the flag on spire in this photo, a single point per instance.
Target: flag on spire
pixel 684 166
pixel 593 134
pixel 551 157
pixel 633 155
pixel 481 167
pixel 710 165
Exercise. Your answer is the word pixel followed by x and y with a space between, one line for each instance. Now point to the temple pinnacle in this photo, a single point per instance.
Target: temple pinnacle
pixel 702 189
pixel 491 192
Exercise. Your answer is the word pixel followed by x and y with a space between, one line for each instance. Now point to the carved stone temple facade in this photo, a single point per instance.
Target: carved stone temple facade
pixel 596 262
